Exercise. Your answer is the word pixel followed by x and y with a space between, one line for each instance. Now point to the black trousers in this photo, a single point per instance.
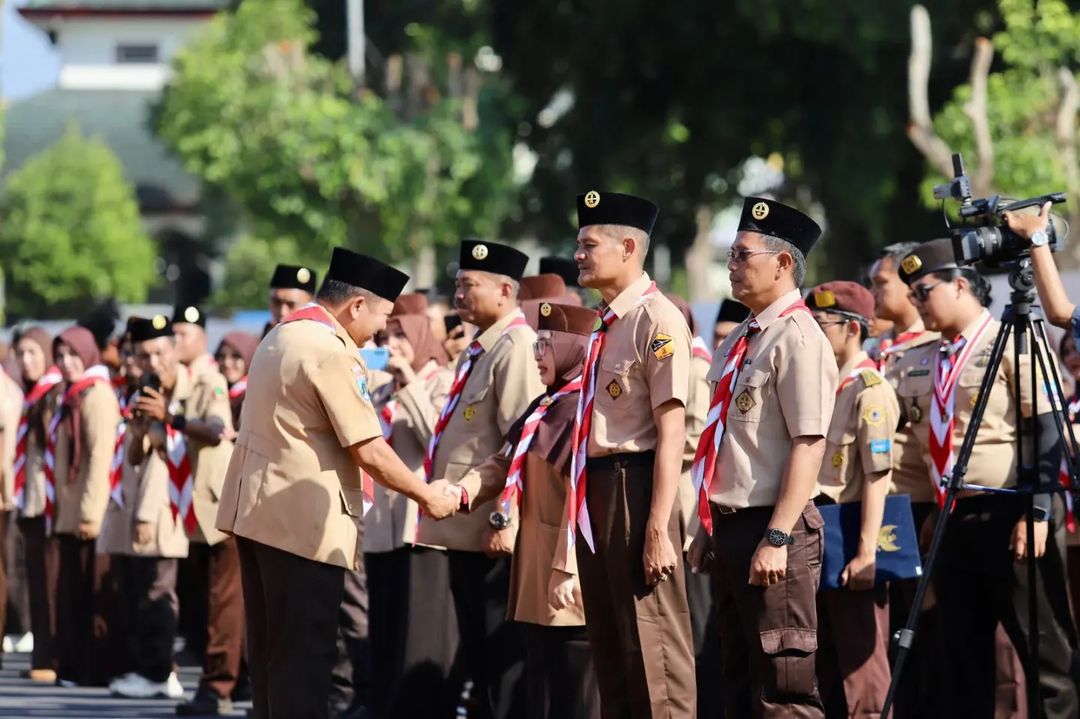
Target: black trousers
pixel 706 634
pixel 493 647
pixel 560 676
pixel 42 571
pixel 150 612
pixel 291 606
pixel 978 585
pixel 90 651
pixel 414 634
pixel 351 679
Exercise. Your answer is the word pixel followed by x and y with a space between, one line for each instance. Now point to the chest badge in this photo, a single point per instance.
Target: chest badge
pixel 545 402
pixel 469 413
pixel 974 399
pixel 914 414
pixel 614 389
pixel 745 401
pixel 838 460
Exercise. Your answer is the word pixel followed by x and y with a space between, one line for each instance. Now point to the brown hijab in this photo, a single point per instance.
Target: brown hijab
pixel 417 329
pixel 42 339
pixel 570 328
pixel 38 416
pixel 81 341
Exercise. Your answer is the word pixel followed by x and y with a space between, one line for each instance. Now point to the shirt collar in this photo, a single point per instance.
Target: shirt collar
pixel 852 363
pixel 969 331
pixel 772 313
pixel 629 297
pixel 491 335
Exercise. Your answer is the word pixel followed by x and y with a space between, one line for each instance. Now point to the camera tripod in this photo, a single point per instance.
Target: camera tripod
pixel 1023 319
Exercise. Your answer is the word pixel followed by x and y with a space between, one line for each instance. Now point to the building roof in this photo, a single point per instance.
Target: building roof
pixel 121 118
pixel 38 8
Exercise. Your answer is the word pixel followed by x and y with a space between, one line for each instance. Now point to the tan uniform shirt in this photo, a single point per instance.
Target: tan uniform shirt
pixel 645 363
pixel 502 383
pixel 11 399
pixel 205 397
pixel 909 475
pixel 85 496
pixel 697 411
pixel 202 364
pixel 993 459
pixel 34 491
pixel 292 483
pixel 391 523
pixel 785 389
pixel 860 437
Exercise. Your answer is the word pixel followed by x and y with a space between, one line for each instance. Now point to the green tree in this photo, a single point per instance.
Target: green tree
pixel 72 231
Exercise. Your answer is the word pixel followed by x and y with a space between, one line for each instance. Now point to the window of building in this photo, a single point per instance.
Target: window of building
pixel 136 53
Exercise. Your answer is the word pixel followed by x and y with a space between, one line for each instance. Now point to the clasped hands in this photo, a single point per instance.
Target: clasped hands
pixel 442 499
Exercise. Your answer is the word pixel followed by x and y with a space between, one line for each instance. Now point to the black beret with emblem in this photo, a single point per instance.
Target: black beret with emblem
pixel 492 257
pixel 776 219
pixel 566 318
pixel 563 267
pixel 190 314
pixel 294 277
pixel 732 311
pixel 929 257
pixel 367 273
pixel 615 208
pixel 141 329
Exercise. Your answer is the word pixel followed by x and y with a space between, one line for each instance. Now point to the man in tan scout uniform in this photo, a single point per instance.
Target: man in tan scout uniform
pixel 291 287
pixel 854 676
pixel 294 491
pixel 776 379
pixel 495 380
pixel 629 437
pixel 189 326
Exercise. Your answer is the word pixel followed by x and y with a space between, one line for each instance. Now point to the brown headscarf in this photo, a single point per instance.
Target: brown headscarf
pixel 82 343
pixel 245 345
pixel 417 329
pixel 570 328
pixel 42 339
pixel 38 416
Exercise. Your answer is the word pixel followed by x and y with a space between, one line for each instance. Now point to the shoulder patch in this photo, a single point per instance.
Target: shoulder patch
pixel 873 415
pixel 662 346
pixel 870 378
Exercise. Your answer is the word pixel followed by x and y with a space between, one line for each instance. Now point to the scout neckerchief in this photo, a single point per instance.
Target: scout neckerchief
pixel 891 346
pixel 64 402
pixel 866 365
pixel 181 480
pixel 514 483
pixel 389 408
pixel 698 348
pixel 317 313
pixel 50 379
pixel 238 389
pixel 952 358
pixel 460 378
pixel 703 470
pixel 116 471
pixel 579 510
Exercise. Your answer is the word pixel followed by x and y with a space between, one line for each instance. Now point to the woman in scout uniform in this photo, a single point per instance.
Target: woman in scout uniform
pixel 854 620
pixel 533 470
pixel 233 358
pixel 982 579
pixel 413 629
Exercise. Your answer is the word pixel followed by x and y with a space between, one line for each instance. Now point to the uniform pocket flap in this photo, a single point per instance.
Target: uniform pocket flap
pixel 813 519
pixel 352 501
pixel 789 639
pixel 616 364
pixel 757 378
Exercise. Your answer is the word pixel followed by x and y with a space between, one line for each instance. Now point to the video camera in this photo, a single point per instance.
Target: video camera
pixel 986 237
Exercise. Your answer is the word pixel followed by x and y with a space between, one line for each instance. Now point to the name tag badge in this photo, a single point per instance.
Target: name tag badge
pixel 918 373
pixel 881 446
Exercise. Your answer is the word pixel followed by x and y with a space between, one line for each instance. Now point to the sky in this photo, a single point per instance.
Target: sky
pixel 28 64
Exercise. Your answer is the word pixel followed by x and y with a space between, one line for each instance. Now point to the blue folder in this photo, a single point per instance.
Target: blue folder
pixel 898 545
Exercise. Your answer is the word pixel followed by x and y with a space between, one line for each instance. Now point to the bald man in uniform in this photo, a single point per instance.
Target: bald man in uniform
pixel 757 468
pixel 629 438
pixel 310 443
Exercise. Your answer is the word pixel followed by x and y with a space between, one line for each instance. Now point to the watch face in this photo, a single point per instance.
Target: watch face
pixel 777 538
pixel 1038 239
pixel 498 520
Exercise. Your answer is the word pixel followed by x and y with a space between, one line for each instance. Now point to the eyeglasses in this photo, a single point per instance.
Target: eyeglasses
pixel 540 346
pixel 826 323
pixel 743 255
pixel 921 293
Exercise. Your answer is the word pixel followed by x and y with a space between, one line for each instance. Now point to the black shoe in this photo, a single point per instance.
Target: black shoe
pixel 242 691
pixel 204 703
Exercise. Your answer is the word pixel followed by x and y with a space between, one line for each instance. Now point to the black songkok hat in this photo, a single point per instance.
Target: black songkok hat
pixel 614 208
pixel 190 314
pixel 929 257
pixel 776 219
pixel 294 277
pixel 492 257
pixel 561 266
pixel 141 329
pixel 732 311
pixel 367 273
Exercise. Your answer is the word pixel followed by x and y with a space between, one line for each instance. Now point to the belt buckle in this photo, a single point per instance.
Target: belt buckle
pixel 724 509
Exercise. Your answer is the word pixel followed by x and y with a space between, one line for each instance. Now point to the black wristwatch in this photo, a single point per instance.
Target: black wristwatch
pixel 1041 514
pixel 779 538
pixel 498 520
pixel 178 422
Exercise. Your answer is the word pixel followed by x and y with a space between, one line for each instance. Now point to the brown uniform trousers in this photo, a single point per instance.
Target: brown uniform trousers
pixel 640 635
pixel 42 570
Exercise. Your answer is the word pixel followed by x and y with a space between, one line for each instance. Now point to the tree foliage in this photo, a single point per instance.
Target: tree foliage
pixel 72 231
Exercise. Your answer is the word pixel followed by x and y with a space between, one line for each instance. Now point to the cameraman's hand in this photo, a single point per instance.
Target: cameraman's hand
pixel 1027 225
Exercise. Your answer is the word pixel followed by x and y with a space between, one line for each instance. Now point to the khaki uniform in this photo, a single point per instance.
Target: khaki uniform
pixel 785 389
pixel 978 584
pixel 909 470
pixel 11 399
pixel 697 411
pixel 640 635
pixel 856 624
pixel 202 364
pixel 85 496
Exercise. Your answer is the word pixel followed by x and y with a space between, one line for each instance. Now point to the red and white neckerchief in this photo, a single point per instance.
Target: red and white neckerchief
pixel 460 378
pixel 315 312
pixel 698 348
pixel 181 480
pixel 116 471
pixel 866 364
pixel 889 346
pixel 389 409
pixel 703 470
pixel 238 389
pixel 578 508
pixel 951 359
pixel 97 373
pixel 45 383
pixel 515 485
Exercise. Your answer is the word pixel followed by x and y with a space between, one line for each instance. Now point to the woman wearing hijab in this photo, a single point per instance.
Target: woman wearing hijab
pixel 233 358
pixel 40 380
pixel 413 628
pixel 82 438
pixel 533 471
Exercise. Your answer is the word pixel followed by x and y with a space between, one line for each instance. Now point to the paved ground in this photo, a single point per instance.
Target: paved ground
pixel 23 698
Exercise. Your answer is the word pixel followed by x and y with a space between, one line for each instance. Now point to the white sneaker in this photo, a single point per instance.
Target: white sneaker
pixel 173 688
pixel 137 686
pixel 9 644
pixel 25 643
pixel 120 680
